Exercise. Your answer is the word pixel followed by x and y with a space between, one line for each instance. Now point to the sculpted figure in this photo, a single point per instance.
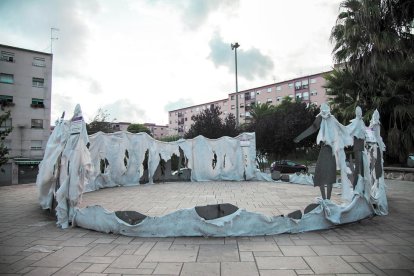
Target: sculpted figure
pixel 357 130
pixel 332 137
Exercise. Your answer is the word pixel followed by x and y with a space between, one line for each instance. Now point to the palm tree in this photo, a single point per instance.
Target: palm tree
pixel 373 42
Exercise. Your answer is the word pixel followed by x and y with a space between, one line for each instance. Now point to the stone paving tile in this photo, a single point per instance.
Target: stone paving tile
pixel 95 259
pixel 77 242
pixel 61 257
pixel 11 259
pixel 168 268
pixel 171 256
pixel 127 261
pixel 299 250
pixel 257 246
pixel 144 248
pixel 96 268
pixel 72 269
pixel 281 263
pixel 239 269
pixel 128 271
pixel 281 272
pixel 42 271
pixel 377 246
pixel 332 250
pixel 389 261
pixel 210 253
pixel 329 264
pixel 100 250
pixel 201 269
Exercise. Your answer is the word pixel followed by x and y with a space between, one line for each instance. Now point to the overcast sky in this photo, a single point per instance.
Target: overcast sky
pixel 137 59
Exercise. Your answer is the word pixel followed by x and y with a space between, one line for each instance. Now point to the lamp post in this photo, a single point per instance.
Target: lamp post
pixel 234 47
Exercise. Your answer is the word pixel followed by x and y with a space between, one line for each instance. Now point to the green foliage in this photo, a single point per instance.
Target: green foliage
pixel 276 129
pixel 4 151
pixel 100 123
pixel 209 124
pixel 171 138
pixel 375 44
pixel 137 128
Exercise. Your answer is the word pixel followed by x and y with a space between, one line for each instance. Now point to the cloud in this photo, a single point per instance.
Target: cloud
pixel 34 20
pixel 251 63
pixel 124 111
pixel 196 12
pixel 62 103
pixel 180 103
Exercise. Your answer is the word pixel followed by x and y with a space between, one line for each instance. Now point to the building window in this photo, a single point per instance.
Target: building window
pixel 248 114
pixel 298 96
pixel 6 124
pixel 241 96
pixel 39 62
pixel 258 92
pixel 7 56
pixel 38 82
pixel 37 123
pixel 314 93
pixel 6 100
pixel 241 105
pixel 269 100
pixel 298 85
pixel 305 84
pixel 269 89
pixel 241 114
pixel 231 97
pixel 36 144
pixel 278 88
pixel 306 95
pixel 37 103
pixel 252 95
pixel 232 106
pixel 6 78
pixel 278 99
pixel 290 85
pixel 313 81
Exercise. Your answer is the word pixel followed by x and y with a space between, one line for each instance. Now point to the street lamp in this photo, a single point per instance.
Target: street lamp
pixel 234 47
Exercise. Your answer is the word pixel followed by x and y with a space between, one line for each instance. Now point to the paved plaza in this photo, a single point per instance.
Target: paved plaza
pixel 31 244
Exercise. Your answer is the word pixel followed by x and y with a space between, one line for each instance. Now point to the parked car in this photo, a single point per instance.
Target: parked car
pixel 288 166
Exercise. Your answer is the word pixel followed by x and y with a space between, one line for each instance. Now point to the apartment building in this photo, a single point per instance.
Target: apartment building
pixel 157 131
pixel 308 88
pixel 25 90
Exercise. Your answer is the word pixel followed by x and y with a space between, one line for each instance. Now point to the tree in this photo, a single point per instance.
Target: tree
pixel 136 128
pixel 373 41
pixel 100 123
pixel 276 130
pixel 209 124
pixel 4 132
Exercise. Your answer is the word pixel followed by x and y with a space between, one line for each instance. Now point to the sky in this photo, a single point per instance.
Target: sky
pixel 138 59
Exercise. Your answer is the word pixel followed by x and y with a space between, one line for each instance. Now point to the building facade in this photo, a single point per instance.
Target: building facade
pixel 157 131
pixel 25 90
pixel 307 88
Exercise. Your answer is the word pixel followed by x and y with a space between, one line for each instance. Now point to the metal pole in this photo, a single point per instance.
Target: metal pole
pixel 234 47
pixel 237 90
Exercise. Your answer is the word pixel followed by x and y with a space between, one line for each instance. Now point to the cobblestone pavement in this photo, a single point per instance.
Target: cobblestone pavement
pixel 31 244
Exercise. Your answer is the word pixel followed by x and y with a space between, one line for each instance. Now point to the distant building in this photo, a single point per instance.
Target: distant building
pixel 307 88
pixel 121 126
pixel 25 90
pixel 157 131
